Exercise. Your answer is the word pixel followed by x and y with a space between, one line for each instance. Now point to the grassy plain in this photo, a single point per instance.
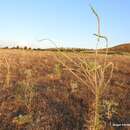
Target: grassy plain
pixel 37 92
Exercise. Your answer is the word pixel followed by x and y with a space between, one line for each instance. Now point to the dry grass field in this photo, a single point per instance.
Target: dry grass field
pixel 37 92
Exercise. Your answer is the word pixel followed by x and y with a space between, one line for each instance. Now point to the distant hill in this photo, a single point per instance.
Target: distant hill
pixel 117 49
pixel 121 48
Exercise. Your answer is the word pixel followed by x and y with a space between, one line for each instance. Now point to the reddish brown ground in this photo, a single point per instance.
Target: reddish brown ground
pixel 55 106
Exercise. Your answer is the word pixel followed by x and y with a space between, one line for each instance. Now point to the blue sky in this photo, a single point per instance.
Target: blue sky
pixel 68 22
